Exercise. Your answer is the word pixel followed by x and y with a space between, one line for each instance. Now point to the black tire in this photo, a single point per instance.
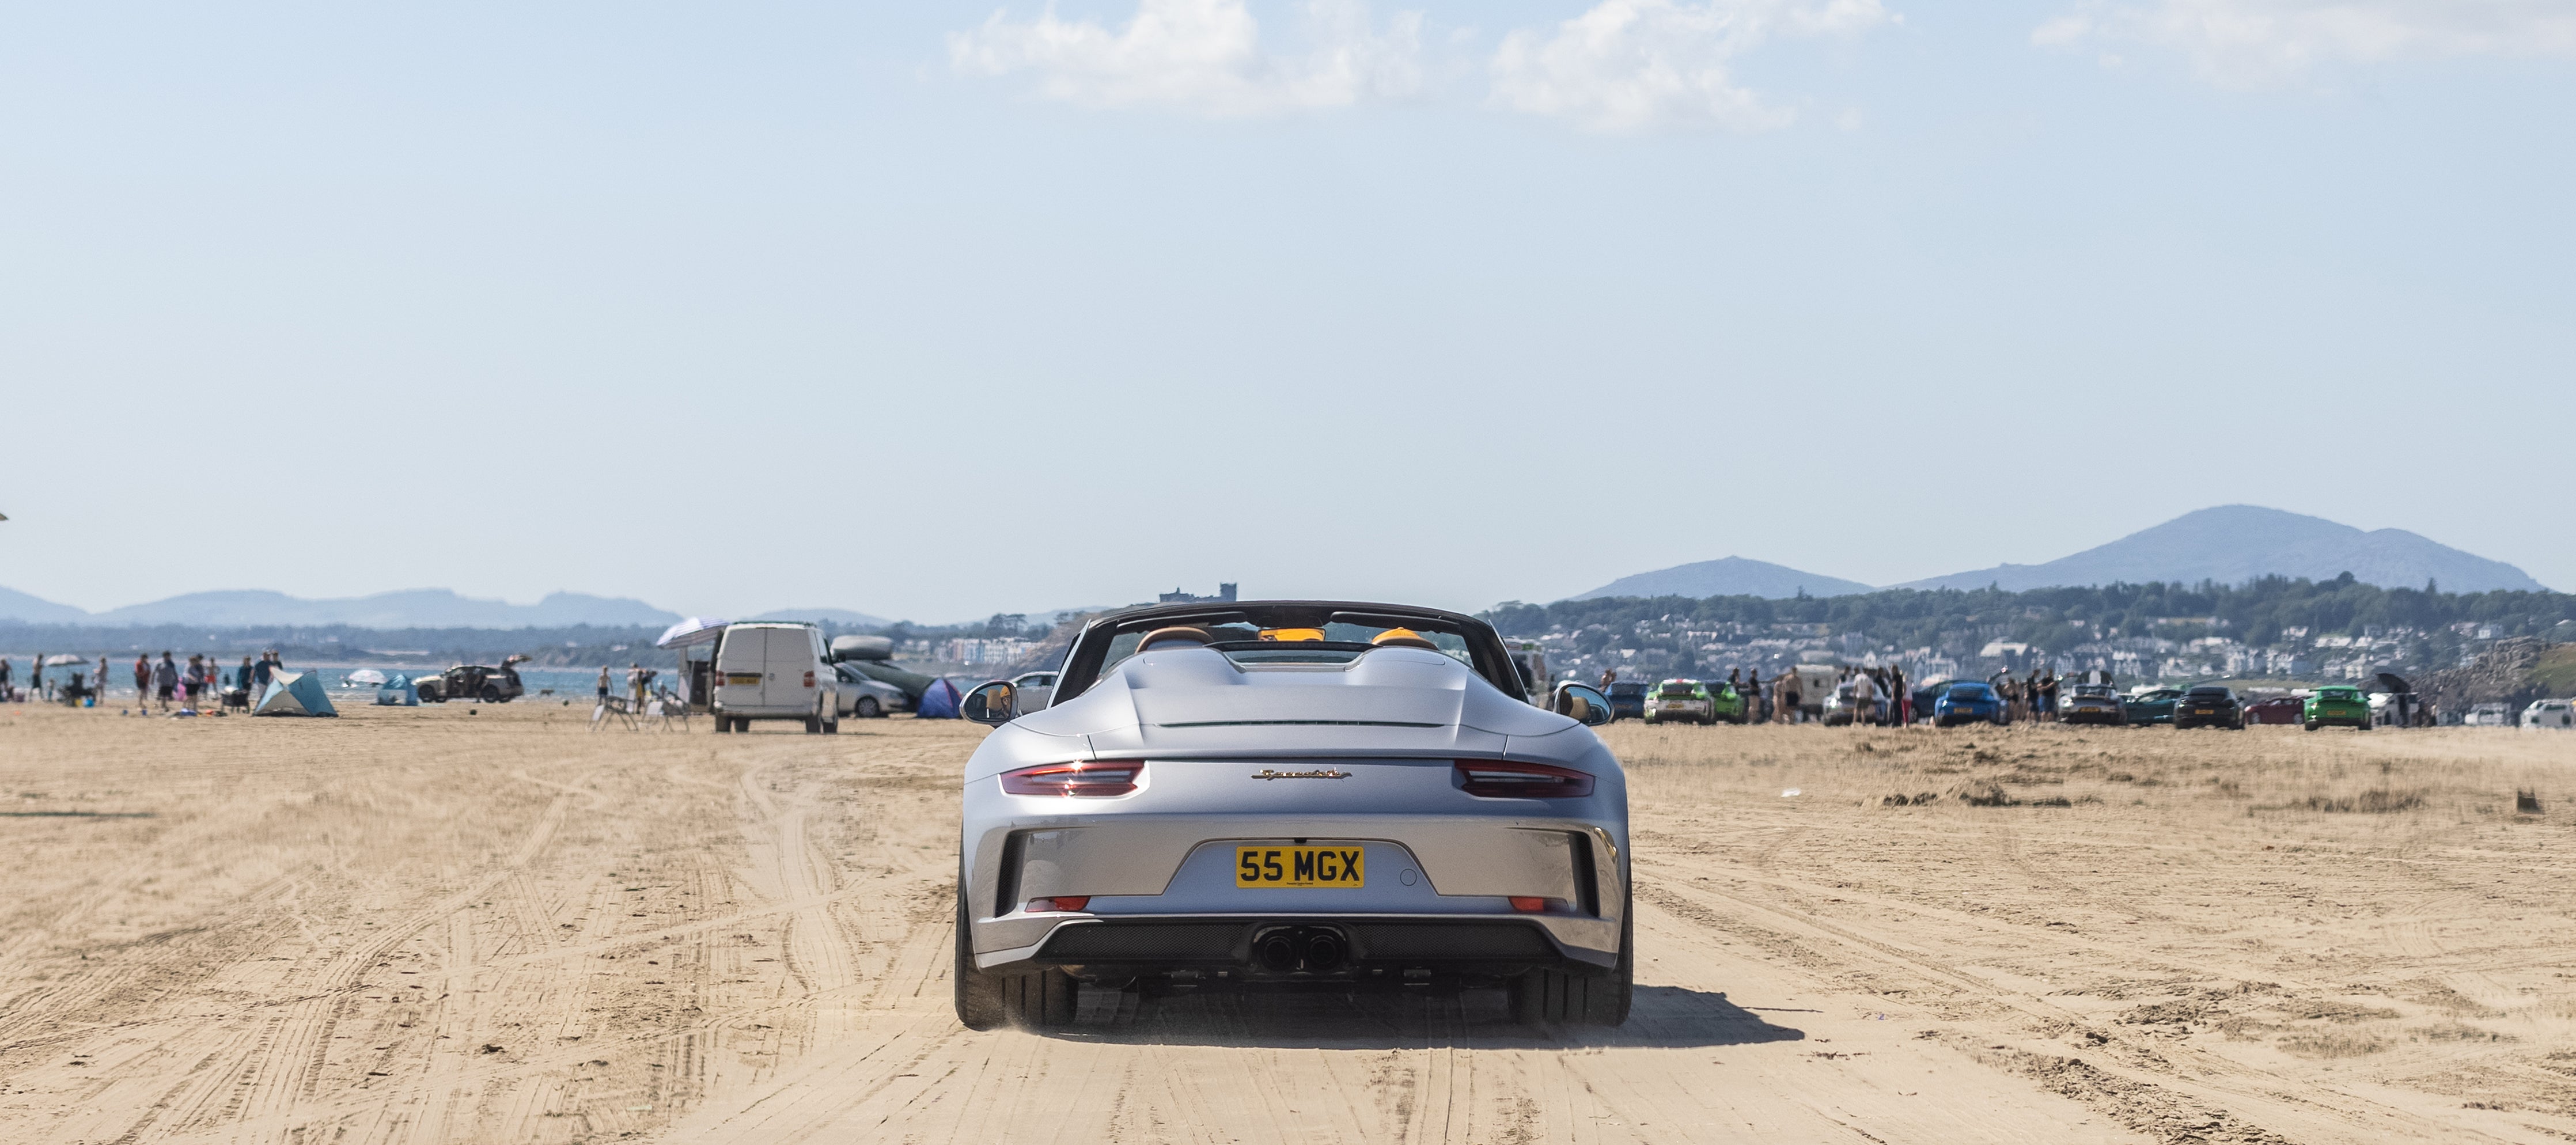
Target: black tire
pixel 491 694
pixel 867 708
pixel 814 725
pixel 1599 998
pixel 985 1001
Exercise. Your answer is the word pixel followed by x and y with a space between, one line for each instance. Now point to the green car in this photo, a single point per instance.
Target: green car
pixel 1730 704
pixel 2152 707
pixel 2337 707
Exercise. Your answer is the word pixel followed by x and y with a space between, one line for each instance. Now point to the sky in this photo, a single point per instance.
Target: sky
pixel 931 310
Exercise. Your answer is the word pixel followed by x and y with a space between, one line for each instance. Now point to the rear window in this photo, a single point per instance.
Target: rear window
pixel 1968 691
pixel 1680 689
pixel 2209 693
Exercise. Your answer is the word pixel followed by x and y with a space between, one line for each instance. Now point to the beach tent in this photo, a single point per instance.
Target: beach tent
pixel 397 692
pixel 363 678
pixel 938 701
pixel 294 694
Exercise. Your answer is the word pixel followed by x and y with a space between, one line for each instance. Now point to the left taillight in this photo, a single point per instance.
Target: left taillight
pixel 1499 779
pixel 1077 779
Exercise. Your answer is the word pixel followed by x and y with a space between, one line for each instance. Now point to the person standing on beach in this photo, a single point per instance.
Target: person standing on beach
pixel 165 679
pixel 241 680
pixel 142 679
pixel 1789 698
pixel 262 673
pixel 603 685
pixel 7 695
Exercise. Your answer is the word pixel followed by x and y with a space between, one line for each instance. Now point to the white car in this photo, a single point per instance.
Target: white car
pixel 770 671
pixel 2552 714
pixel 1033 691
pixel 1292 792
pixel 865 697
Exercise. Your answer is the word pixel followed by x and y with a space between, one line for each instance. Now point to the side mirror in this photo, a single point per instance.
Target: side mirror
pixel 1584 703
pixel 992 704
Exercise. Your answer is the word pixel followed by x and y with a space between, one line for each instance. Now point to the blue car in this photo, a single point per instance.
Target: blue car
pixel 1967 701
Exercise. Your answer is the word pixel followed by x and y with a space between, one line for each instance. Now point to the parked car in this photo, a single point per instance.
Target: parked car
pixel 1927 695
pixel 2336 707
pixel 1968 702
pixel 1035 690
pixel 2148 707
pixel 2488 716
pixel 1731 706
pixel 773 671
pixel 1681 700
pixel 1841 709
pixel 2208 706
pixel 2090 704
pixel 866 697
pixel 1628 699
pixel 486 683
pixel 2550 714
pixel 1203 807
pixel 2277 710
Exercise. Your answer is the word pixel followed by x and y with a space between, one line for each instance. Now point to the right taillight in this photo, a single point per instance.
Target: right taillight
pixel 1498 779
pixel 1077 779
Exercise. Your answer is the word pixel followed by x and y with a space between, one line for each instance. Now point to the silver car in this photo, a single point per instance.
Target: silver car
pixel 1292 792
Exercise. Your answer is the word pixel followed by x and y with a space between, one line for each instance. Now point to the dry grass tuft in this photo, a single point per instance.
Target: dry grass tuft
pixel 2333 1044
pixel 2376 801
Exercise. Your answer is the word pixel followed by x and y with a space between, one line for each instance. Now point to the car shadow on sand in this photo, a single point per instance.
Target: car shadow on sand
pixel 1659 1016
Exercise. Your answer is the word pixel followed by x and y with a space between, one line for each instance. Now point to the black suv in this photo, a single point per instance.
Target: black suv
pixel 2208 706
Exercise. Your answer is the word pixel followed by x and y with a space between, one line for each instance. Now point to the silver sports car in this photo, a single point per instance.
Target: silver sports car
pixel 1271 792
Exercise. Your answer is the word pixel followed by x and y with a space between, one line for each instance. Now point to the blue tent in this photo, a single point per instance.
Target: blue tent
pixel 938 701
pixel 294 694
pixel 398 692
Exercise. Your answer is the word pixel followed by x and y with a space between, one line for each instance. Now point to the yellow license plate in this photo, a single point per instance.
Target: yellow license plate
pixel 2202 712
pixel 742 678
pixel 1299 866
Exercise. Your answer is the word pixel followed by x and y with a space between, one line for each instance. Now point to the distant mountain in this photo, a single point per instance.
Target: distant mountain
pixel 411 608
pixel 16 605
pixel 1733 576
pixel 2232 544
pixel 841 616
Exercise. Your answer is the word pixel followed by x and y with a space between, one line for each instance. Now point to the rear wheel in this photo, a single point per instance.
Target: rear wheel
pixel 1542 998
pixel 987 1001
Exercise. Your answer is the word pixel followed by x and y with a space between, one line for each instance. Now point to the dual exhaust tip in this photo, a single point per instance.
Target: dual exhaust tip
pixel 1300 950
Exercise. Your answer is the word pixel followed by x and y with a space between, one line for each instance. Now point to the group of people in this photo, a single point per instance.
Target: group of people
pixel 2033 697
pixel 164 681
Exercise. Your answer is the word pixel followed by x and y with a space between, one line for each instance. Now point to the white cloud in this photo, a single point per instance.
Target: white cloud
pixel 2248 43
pixel 1628 65
pixel 1202 56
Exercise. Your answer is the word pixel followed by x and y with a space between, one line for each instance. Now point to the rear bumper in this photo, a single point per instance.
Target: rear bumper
pixel 1393 948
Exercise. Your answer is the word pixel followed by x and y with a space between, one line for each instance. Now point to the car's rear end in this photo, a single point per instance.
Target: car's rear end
pixel 2337 708
pixel 2208 707
pixel 1390 871
pixel 1628 700
pixel 1391 828
pixel 1966 703
pixel 1679 700
pixel 2090 704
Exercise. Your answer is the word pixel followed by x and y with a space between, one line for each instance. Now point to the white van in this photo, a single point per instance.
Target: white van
pixel 774 672
pixel 2552 714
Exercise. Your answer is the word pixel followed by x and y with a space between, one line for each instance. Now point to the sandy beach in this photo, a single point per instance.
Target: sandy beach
pixel 492 924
